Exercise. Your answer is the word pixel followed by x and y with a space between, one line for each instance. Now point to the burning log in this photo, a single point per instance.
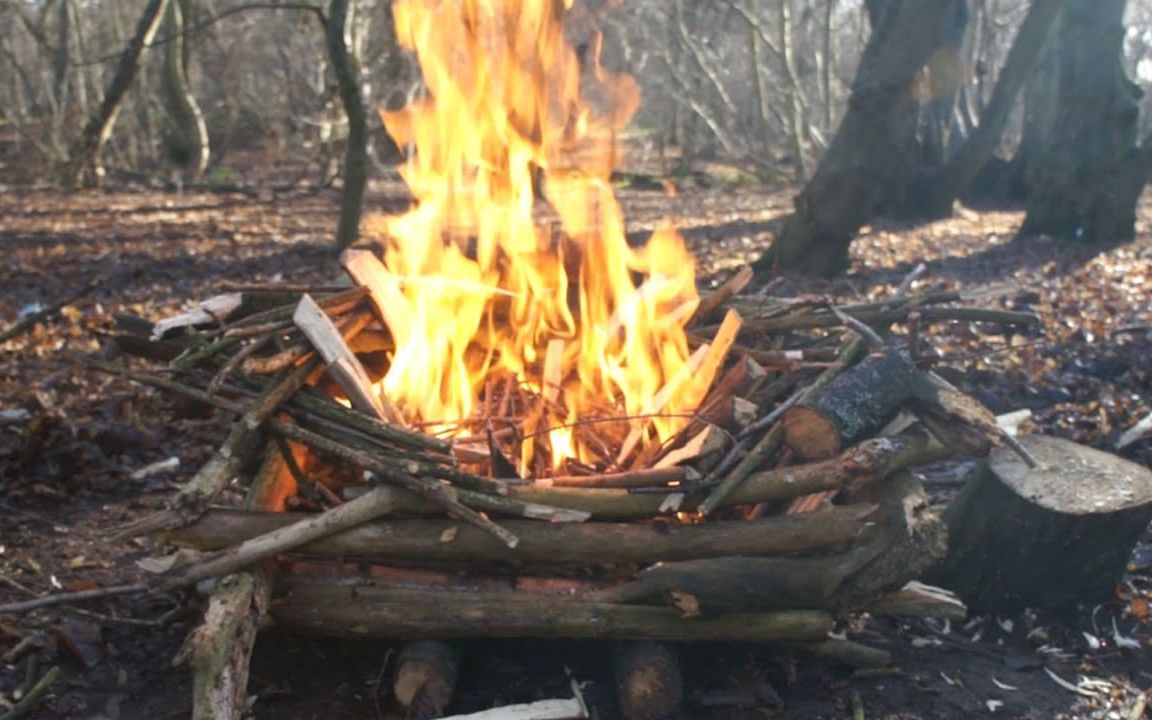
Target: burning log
pixel 1050 536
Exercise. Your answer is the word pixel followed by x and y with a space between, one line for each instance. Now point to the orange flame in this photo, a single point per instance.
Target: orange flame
pixel 483 289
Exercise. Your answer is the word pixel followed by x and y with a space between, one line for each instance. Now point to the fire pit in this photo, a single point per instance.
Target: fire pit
pixel 512 422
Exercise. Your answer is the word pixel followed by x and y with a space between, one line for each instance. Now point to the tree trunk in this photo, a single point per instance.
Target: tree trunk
pixel 1087 179
pixel 963 167
pixel 869 146
pixel 84 156
pixel 347 73
pixel 186 143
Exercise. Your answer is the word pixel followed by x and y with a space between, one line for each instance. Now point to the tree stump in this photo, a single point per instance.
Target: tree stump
pixel 1052 536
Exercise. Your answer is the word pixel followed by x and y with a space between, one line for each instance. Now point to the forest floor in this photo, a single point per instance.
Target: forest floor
pixel 71 441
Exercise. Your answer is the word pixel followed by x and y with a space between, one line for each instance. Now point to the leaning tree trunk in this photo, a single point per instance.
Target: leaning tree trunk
pixel 347 73
pixel 84 156
pixel 959 172
pixel 186 143
pixel 869 146
pixel 1086 182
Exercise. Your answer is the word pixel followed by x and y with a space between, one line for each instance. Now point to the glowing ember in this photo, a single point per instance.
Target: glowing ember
pixel 482 292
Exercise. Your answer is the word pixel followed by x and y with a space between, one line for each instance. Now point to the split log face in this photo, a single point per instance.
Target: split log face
pixel 1052 536
pixel 855 405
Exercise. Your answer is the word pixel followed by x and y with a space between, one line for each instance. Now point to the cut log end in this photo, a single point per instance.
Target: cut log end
pixel 425 680
pixel 648 681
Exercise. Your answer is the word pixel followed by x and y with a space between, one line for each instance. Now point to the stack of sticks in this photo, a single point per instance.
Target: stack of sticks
pixel 784 504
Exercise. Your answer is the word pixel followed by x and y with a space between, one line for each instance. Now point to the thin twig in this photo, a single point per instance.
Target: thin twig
pixel 71 597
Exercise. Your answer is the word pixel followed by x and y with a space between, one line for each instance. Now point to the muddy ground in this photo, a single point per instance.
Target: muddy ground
pixel 70 441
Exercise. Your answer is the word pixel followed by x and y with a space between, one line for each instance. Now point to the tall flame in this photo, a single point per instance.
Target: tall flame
pixel 486 290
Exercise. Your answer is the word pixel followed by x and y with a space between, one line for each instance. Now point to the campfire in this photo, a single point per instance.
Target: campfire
pixel 558 336
pixel 513 422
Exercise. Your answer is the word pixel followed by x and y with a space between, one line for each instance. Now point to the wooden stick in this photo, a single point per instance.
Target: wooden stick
pixel 827 319
pixel 342 301
pixel 732 286
pixel 368 611
pixel 242 443
pixel 426 488
pixel 29 701
pixel 64 598
pixel 824 531
pixel 377 502
pixel 31 320
pixel 646 477
pixel 220 648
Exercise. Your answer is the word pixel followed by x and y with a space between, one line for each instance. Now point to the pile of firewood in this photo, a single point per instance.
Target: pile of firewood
pixel 784 506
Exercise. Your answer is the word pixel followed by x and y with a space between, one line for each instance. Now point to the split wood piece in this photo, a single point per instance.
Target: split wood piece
pixel 219 650
pixel 646 477
pixel 824 531
pixel 675 384
pixel 709 440
pixel 213 311
pixel 351 327
pixel 1052 536
pixel 649 685
pixel 733 286
pixel 344 367
pixel 425 678
pixel 907 542
pixel 375 503
pixel 731 413
pixel 384 291
pixel 869 460
pixel 555 709
pixel 243 442
pixel 30 321
pixel 369 611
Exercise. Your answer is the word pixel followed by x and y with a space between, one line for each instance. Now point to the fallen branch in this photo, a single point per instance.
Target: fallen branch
pixel 31 320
